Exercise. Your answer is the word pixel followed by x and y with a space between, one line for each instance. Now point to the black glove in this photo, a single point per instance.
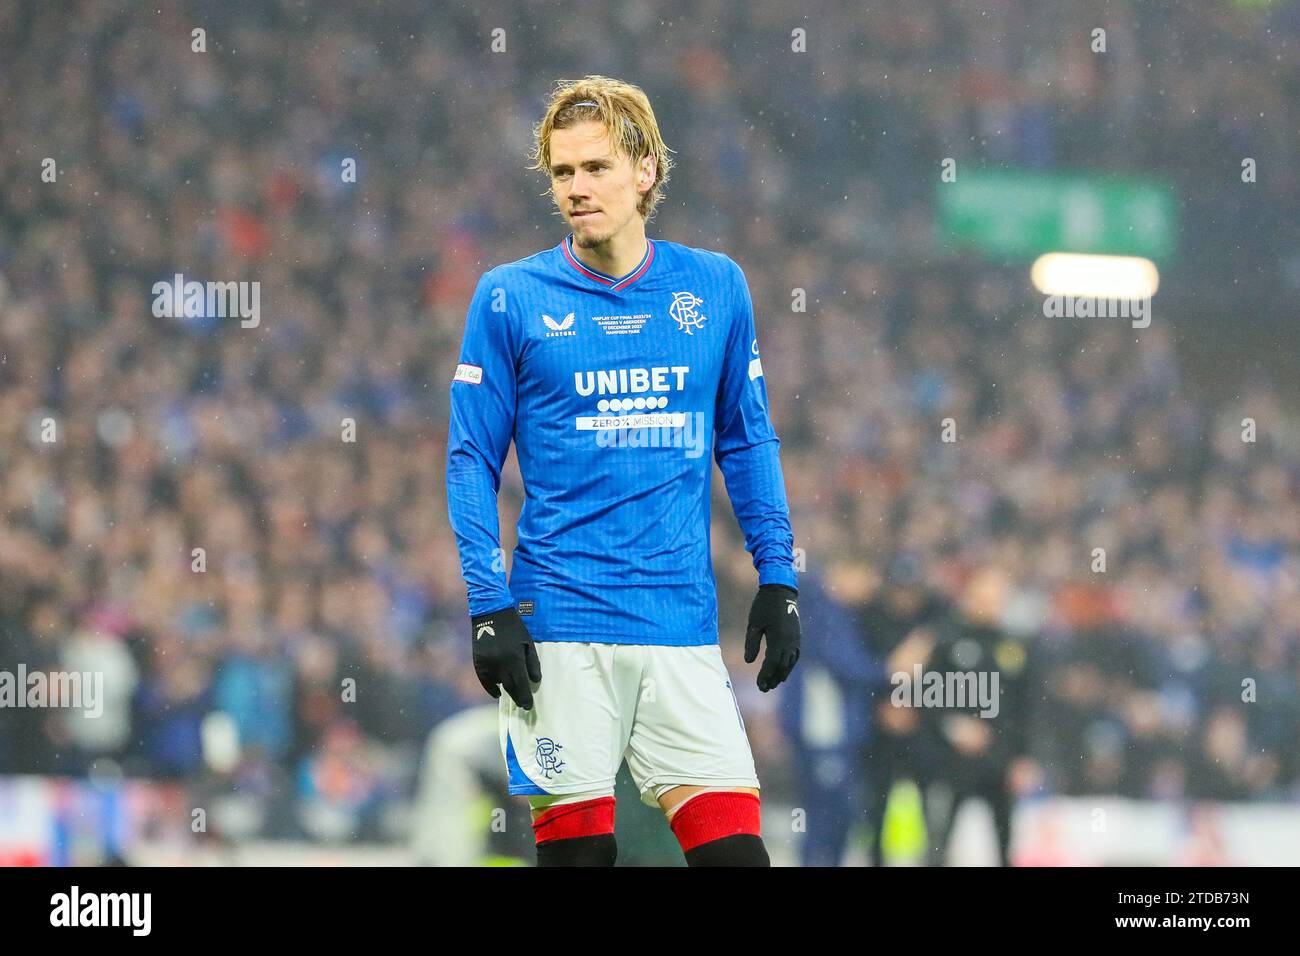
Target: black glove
pixel 776 614
pixel 504 654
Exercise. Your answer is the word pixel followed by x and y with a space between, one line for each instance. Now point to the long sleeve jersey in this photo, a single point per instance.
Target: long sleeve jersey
pixel 618 393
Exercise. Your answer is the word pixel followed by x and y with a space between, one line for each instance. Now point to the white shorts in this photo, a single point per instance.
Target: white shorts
pixel 669 710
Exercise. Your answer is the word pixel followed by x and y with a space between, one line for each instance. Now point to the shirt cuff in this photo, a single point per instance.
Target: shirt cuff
pixel 778 573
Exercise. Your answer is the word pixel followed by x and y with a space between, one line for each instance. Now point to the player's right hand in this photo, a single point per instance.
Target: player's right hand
pixel 504 654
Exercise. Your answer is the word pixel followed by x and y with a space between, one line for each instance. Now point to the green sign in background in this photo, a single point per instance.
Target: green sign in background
pixel 1022 214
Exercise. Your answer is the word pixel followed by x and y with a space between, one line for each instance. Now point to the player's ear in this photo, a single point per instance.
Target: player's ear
pixel 646 176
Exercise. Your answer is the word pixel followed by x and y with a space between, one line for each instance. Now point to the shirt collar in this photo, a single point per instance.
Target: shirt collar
pixel 614 283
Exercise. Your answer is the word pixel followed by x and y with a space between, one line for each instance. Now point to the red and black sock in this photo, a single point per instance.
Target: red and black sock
pixel 577 834
pixel 721 828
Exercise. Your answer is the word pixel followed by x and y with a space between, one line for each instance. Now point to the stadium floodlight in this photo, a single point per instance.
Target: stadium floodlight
pixel 1109 277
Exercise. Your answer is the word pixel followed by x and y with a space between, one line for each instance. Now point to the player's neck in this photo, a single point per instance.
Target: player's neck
pixel 618 255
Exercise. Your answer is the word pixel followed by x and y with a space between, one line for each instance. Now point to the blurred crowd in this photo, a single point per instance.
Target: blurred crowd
pixel 298 660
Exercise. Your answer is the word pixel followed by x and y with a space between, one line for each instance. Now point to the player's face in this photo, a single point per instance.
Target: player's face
pixel 596 187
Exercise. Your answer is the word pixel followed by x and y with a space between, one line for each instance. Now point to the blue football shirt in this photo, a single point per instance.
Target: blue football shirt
pixel 618 393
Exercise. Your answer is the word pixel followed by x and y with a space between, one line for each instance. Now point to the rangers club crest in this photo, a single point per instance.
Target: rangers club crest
pixel 685 311
pixel 548 756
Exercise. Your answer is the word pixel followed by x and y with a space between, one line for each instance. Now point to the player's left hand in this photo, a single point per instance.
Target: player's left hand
pixel 775 614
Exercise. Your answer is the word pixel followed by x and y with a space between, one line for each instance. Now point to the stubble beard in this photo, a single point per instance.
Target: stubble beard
pixel 589 240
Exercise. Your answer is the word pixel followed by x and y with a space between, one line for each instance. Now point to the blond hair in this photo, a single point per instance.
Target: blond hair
pixel 624 110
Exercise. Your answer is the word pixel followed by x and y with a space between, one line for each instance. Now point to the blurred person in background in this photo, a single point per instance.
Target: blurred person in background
pixel 897 629
pixel 104 658
pixel 826 708
pixel 458 818
pixel 983 752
